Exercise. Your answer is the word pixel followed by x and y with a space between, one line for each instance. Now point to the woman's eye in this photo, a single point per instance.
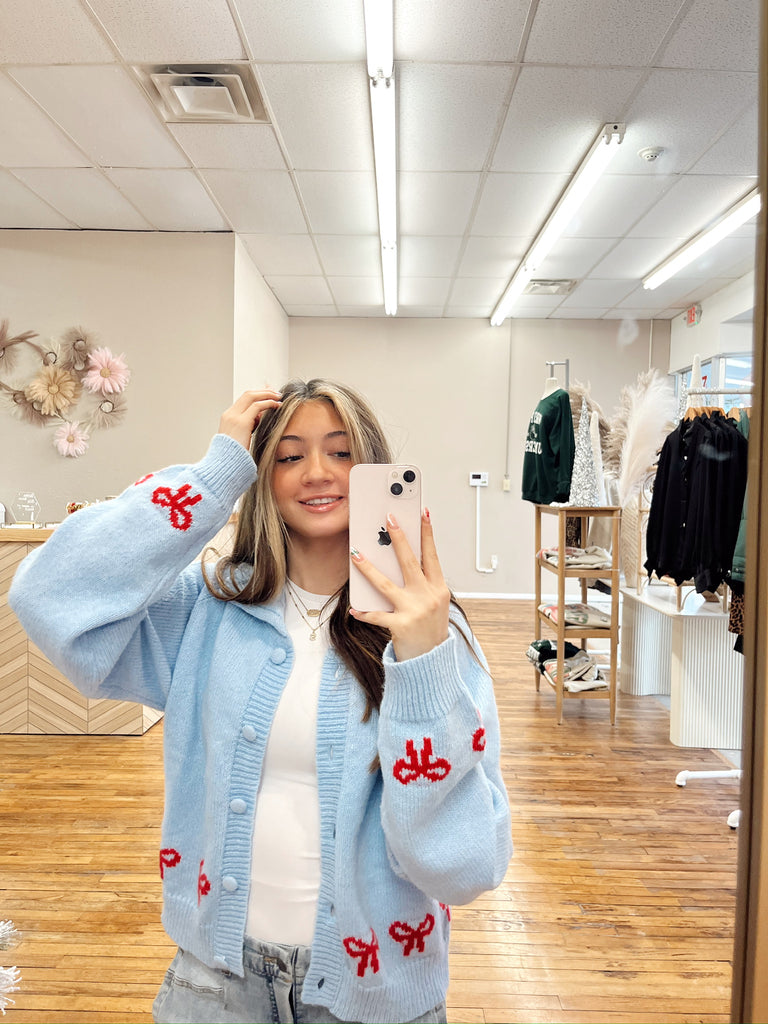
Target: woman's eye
pixel 288 458
pixel 342 455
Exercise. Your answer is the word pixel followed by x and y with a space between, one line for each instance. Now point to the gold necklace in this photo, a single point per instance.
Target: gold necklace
pixel 316 613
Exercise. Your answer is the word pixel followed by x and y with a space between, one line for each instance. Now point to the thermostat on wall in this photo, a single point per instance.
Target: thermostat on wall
pixel 478 479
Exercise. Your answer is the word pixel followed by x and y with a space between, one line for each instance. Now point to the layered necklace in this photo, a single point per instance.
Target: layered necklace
pixel 313 617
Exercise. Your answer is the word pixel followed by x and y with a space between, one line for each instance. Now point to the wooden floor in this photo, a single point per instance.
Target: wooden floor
pixel 618 904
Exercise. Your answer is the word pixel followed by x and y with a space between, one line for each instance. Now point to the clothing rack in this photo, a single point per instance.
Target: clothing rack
pixel 726 773
pixel 562 362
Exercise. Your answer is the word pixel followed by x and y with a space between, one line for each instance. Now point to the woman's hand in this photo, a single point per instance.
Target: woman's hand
pixel 419 621
pixel 239 421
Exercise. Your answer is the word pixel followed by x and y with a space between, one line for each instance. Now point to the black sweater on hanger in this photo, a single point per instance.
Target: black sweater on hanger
pixel 696 505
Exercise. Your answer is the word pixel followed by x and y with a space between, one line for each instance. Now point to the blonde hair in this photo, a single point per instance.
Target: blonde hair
pixel 261 539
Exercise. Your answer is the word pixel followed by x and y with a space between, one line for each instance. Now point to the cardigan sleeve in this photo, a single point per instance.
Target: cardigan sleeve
pixel 109 594
pixel 445 810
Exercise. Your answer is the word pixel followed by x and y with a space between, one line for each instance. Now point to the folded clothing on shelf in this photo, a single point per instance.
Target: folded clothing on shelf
pixel 578 614
pixel 579 672
pixel 592 557
pixel 540 651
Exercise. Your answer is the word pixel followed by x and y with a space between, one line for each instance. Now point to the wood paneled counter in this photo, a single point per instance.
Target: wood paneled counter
pixel 34 696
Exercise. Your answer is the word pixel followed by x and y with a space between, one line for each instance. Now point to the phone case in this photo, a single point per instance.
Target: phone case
pixel 374 491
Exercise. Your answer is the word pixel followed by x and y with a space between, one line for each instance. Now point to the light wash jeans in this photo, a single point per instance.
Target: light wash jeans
pixel 270 992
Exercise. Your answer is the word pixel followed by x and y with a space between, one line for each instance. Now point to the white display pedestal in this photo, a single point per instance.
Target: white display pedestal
pixel 689 655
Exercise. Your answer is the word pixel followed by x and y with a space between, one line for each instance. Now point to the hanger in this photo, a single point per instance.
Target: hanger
pixel 702 410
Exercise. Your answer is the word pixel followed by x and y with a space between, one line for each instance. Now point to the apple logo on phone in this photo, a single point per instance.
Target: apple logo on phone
pixel 384 538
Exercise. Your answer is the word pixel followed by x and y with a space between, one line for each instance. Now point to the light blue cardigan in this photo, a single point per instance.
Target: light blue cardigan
pixel 114 602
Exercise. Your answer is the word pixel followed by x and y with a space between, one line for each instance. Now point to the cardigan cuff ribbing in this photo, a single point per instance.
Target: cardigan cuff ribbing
pixel 422 688
pixel 227 469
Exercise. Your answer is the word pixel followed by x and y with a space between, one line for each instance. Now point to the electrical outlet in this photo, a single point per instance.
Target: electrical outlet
pixel 506 484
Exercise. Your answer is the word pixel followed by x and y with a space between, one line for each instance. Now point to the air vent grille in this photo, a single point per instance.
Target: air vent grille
pixel 221 93
pixel 549 287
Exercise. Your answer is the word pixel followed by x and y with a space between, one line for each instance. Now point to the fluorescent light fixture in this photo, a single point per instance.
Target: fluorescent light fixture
pixel 744 210
pixel 379 37
pixel 379 44
pixel 592 166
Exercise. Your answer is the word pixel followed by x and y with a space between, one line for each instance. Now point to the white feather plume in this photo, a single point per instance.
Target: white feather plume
pixel 645 418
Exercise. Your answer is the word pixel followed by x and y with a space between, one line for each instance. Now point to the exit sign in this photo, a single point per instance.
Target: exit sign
pixel 692 316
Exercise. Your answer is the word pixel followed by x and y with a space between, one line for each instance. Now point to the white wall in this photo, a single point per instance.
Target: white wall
pixel 260 329
pixel 441 388
pixel 165 300
pixel 709 337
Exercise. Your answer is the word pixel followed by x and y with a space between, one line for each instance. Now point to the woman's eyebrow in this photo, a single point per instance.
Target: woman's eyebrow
pixel 328 437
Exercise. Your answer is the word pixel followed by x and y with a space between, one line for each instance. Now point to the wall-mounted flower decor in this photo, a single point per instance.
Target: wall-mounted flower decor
pixel 71 383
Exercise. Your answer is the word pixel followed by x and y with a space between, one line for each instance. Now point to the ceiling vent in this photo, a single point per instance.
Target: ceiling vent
pixel 220 93
pixel 548 287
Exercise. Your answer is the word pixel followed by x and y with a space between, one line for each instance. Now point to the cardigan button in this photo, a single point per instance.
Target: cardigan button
pixel 249 733
pixel 238 806
pixel 229 883
pixel 278 656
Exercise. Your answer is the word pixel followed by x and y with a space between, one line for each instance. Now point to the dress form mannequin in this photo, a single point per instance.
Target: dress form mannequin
pixel 552 384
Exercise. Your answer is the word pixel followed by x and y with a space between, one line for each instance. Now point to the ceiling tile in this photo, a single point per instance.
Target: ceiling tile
pixel 171 31
pixel 556 113
pixel 236 147
pixel 561 313
pixel 670 293
pixel 301 309
pixel 27 137
pixel 171 200
pixel 49 32
pixel 348 255
pixel 593 293
pixel 324 114
pixel 304 30
pixel 85 197
pixel 735 44
pixel 516 204
pixel 592 32
pixel 367 311
pixel 691 205
pixel 282 254
pixel 435 204
pixel 300 289
pixel 448 115
pixel 735 152
pixel 451 30
pixel 338 202
pixel 492 257
pixel 477 291
pixel 105 112
pixel 357 291
pixel 20 208
pixel 468 312
pixel 260 202
pixel 573 258
pixel 617 203
pixel 684 112
pixel 419 312
pixel 634 257
pixel 424 291
pixel 428 257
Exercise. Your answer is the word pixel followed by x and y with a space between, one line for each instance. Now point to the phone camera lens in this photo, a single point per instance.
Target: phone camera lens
pixel 409 476
pixel 396 488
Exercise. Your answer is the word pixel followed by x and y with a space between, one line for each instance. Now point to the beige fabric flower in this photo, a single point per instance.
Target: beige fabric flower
pixel 53 390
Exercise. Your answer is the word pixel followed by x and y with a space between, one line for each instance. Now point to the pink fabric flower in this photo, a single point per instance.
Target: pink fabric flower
pixel 70 440
pixel 107 373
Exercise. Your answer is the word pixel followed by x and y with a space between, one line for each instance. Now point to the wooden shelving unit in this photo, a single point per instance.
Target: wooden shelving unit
pixel 579 634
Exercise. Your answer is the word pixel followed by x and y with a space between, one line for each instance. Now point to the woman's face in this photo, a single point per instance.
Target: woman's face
pixel 310 479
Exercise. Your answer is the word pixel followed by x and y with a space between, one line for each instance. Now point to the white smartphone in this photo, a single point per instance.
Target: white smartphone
pixel 376 490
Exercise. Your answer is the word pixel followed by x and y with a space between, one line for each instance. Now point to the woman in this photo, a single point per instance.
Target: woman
pixel 332 776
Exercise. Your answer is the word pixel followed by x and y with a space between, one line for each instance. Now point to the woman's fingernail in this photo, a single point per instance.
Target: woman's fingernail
pixel 356 556
pixel 392 522
pixel 427 515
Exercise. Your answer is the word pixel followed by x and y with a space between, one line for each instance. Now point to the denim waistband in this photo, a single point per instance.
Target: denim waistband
pixel 272 959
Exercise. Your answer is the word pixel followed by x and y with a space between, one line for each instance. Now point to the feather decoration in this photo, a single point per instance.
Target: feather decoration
pixel 23 408
pixel 645 417
pixel 9 979
pixel 578 393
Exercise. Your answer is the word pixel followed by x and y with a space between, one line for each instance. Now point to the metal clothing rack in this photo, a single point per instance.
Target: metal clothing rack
pixel 726 773
pixel 562 362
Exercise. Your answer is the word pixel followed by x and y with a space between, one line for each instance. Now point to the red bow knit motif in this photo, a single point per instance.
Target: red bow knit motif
pixel 169 858
pixel 143 479
pixel 366 952
pixel 412 766
pixel 447 910
pixel 412 938
pixel 177 502
pixel 203 884
pixel 478 740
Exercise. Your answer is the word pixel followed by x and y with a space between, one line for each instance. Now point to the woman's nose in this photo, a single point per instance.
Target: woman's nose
pixel 316 466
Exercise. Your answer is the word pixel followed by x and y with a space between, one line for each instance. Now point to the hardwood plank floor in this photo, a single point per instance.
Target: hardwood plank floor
pixel 618 905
